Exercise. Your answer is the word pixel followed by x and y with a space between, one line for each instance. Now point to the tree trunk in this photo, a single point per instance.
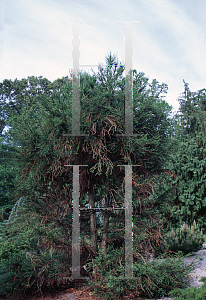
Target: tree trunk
pixel 106 221
pixel 93 223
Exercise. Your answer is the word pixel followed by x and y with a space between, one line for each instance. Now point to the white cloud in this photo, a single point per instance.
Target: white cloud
pixel 189 35
pixel 168 45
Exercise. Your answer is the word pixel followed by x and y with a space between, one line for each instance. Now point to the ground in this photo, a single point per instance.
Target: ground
pixel 76 293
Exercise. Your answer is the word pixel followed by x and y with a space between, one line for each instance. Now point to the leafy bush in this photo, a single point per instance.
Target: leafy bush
pixel 151 279
pixel 25 273
pixel 22 274
pixel 191 293
pixel 185 239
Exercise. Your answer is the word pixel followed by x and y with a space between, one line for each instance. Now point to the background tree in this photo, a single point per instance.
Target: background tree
pixel 7 171
pixel 189 162
pixel 14 95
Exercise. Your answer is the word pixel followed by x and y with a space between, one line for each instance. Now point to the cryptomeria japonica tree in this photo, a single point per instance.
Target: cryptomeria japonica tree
pixel 39 118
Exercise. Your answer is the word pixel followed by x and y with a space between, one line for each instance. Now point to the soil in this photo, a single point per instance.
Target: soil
pixel 82 293
pixel 77 293
pixel 68 294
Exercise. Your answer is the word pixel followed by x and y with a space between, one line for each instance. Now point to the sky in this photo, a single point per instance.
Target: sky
pixel 169 42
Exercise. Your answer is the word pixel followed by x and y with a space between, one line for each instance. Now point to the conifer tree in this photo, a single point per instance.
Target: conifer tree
pixel 189 162
pixel 38 121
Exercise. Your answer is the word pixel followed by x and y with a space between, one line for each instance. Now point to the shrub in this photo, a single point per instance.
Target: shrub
pixel 22 274
pixel 151 279
pixel 185 239
pixel 191 293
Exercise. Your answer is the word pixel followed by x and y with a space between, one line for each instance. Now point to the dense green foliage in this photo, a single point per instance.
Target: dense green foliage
pixel 185 239
pixel 23 267
pixel 39 113
pixel 191 293
pixel 189 162
pixel 151 278
pixel 7 176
